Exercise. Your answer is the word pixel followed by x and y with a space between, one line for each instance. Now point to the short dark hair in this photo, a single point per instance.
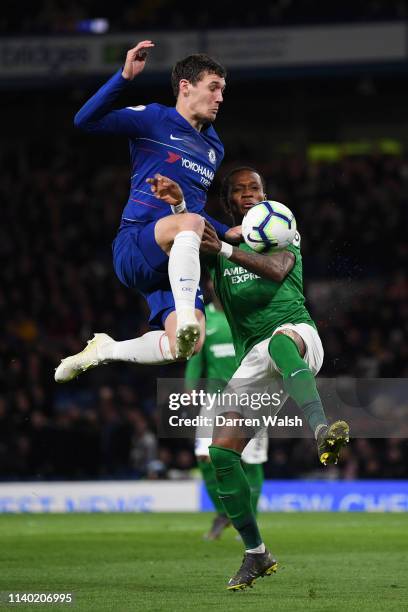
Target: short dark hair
pixel 193 67
pixel 226 183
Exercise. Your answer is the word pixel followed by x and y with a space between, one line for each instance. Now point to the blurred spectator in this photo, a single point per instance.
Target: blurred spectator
pixel 143 451
pixel 63 16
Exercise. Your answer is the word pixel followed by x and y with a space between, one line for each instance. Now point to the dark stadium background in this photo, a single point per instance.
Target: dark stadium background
pixel 61 196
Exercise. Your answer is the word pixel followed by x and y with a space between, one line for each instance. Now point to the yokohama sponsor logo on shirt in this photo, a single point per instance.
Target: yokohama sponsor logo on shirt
pixel 190 165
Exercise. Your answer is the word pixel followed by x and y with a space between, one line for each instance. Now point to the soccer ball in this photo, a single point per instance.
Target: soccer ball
pixel 268 224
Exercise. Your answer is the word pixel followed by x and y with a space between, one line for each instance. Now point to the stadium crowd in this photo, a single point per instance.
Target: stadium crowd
pixel 70 16
pixel 60 209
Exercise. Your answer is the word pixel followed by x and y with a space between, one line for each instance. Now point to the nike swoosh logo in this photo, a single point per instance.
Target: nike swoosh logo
pixel 174 137
pixel 185 279
pixel 210 332
pixel 297 371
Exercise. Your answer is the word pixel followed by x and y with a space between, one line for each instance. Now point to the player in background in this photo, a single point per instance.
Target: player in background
pixel 216 363
pixel 275 340
pixel 155 251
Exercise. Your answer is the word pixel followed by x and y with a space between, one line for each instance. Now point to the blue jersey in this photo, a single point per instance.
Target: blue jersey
pixel 161 141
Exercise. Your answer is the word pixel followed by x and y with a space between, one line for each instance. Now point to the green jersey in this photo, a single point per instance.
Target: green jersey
pixel 216 360
pixel 256 306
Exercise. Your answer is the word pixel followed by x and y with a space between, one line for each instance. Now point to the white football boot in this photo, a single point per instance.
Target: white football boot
pixel 187 333
pixel 89 358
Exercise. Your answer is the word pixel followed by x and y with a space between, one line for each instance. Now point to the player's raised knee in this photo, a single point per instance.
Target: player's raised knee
pixel 167 228
pixel 192 222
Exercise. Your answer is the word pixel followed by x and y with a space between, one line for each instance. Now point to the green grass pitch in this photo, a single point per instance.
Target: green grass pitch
pixel 151 562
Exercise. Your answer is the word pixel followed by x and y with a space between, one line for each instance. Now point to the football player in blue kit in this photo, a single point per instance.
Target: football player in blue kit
pixel 155 251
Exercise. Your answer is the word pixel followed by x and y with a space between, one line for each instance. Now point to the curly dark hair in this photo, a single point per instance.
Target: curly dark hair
pixel 193 68
pixel 226 183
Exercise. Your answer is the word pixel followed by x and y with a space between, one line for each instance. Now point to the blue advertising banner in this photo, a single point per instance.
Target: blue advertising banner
pixel 99 496
pixel 324 496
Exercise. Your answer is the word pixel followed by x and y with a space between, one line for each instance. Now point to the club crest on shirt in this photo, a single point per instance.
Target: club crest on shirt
pixel 211 156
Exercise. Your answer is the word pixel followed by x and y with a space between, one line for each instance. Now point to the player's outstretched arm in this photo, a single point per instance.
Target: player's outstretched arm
pixel 97 115
pixel 275 266
pixel 136 59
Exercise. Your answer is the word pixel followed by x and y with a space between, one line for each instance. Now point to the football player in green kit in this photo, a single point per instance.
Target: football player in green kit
pixel 275 339
pixel 216 363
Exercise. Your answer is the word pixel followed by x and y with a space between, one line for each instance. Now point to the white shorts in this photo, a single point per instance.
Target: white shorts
pixel 256 451
pixel 258 364
pixel 259 373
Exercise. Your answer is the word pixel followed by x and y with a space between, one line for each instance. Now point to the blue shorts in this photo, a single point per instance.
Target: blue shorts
pixel 141 264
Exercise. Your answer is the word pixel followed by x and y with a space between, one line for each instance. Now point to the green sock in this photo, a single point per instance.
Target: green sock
pixel 255 474
pixel 298 379
pixel 235 494
pixel 211 484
